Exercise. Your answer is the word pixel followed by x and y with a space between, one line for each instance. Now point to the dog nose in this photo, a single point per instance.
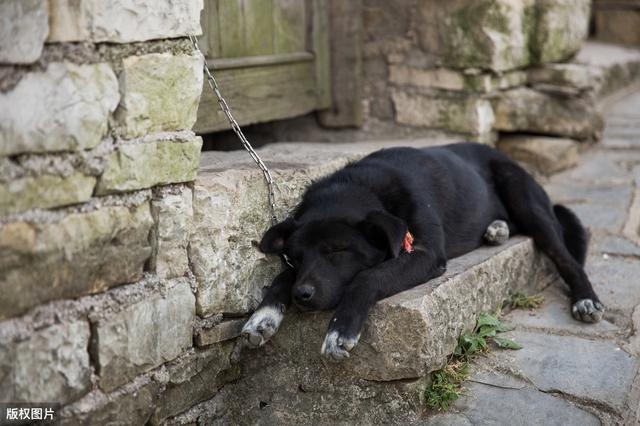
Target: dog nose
pixel 304 293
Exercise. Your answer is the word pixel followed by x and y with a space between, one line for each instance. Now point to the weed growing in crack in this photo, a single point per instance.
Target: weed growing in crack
pixel 522 301
pixel 446 384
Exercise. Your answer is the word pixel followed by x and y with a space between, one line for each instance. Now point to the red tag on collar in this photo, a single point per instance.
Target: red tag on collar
pixel 407 244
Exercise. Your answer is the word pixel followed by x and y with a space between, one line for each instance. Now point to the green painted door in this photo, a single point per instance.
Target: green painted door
pixel 269 57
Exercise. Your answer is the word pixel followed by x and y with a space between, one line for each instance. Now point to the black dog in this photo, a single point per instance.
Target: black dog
pixel 350 239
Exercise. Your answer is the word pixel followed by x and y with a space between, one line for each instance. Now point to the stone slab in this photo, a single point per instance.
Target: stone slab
pixel 618 65
pixel 143 335
pixel 225 330
pixel 615 279
pixel 547 155
pixel 24 25
pixel 64 108
pixel 123 21
pixel 554 316
pixel 160 92
pixel 593 371
pixel 45 191
pixel 51 365
pixel 144 164
pixel 77 254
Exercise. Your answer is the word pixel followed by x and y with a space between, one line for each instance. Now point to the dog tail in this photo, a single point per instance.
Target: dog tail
pixel 575 236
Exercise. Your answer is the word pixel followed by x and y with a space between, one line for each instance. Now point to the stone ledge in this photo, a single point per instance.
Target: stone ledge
pixel 406 337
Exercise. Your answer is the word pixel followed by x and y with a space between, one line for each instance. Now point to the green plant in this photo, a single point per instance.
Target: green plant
pixel 522 301
pixel 446 385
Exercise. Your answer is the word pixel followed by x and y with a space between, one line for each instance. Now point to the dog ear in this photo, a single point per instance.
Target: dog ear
pixel 274 239
pixel 385 231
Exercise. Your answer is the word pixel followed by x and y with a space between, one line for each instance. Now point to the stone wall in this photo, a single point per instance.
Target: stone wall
pixel 97 163
pixel 479 68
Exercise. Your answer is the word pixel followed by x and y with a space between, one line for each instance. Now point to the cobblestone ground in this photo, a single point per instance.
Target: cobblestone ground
pixel 570 373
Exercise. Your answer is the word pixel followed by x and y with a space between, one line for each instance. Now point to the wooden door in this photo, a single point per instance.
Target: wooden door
pixel 269 57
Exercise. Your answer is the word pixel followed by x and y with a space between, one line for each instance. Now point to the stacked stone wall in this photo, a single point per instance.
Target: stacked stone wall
pixel 479 68
pixel 97 163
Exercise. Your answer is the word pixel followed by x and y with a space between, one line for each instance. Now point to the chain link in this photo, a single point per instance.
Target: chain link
pixel 238 131
pixel 245 143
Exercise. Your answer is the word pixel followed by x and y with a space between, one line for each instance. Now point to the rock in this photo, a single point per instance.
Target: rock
pixel 123 21
pixel 561 28
pixel 589 370
pixel 225 330
pixel 143 335
pixel 81 253
pixel 487 34
pixel 25 25
pixel 44 191
pixel 577 76
pixel 546 155
pixel 145 164
pixel 132 404
pixel 526 110
pixel 194 378
pixel 52 364
pixel 64 108
pixel 456 113
pixel 160 92
pixel 173 214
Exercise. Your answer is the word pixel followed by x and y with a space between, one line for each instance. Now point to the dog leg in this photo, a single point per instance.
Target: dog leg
pixel 497 233
pixel 530 209
pixel 267 318
pixel 386 279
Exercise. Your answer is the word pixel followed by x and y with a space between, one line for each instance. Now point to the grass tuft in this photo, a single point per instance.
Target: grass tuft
pixel 446 384
pixel 522 301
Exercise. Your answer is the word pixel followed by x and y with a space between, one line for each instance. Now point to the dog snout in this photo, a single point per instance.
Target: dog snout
pixel 304 293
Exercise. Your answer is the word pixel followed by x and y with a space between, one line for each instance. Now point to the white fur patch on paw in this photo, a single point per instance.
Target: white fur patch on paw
pixel 262 325
pixel 586 310
pixel 336 347
pixel 497 233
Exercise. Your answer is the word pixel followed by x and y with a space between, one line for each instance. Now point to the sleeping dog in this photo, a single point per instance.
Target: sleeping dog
pixel 391 221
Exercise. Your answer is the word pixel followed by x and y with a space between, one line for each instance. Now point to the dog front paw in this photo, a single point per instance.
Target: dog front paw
pixel 262 325
pixel 336 346
pixel 587 310
pixel 497 233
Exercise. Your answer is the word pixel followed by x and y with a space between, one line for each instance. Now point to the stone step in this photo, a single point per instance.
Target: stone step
pixel 406 337
pixel 610 67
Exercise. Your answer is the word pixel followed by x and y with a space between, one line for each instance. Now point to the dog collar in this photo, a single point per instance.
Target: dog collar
pixel 407 243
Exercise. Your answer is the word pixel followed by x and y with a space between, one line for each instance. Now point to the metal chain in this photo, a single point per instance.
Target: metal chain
pixel 238 131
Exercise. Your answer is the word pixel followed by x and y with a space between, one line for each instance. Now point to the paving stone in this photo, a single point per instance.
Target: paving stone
pixel 616 281
pixel 547 155
pixel 64 108
pixel 615 245
pixel 527 110
pixel 172 211
pixel 123 21
pixel 599 167
pixel 24 28
pixel 144 164
pixel 160 92
pixel 489 405
pixel 619 67
pixel 589 370
pixel 143 335
pixel 52 364
pixel 633 346
pixel 82 253
pixel 555 316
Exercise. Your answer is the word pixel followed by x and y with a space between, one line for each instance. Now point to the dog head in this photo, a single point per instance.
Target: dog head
pixel 327 254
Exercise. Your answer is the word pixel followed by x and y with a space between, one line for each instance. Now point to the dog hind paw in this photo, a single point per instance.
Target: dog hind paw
pixel 262 325
pixel 587 310
pixel 336 347
pixel 497 233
